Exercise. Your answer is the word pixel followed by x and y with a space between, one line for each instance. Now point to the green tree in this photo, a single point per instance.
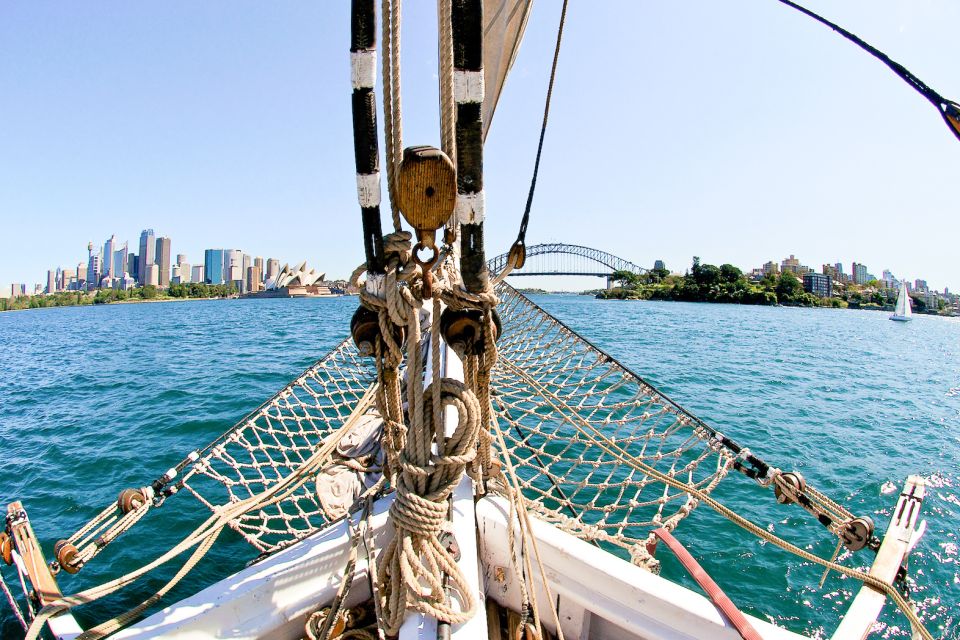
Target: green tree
pixel 788 288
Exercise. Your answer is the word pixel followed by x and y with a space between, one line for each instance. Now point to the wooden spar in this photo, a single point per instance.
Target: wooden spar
pixel 466 21
pixel 44 585
pixel 896 546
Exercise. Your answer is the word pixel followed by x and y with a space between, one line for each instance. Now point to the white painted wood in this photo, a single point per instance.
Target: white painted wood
pixel 270 599
pixel 623 600
pixel 64 626
pixel 897 543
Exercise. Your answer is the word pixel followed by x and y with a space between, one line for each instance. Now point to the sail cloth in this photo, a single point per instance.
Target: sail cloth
pixel 504 24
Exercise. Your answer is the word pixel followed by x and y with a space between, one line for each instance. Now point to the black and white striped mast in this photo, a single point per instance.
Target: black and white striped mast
pixel 466 18
pixel 363 73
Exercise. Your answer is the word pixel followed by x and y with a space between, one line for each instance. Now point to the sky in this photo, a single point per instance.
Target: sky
pixel 739 132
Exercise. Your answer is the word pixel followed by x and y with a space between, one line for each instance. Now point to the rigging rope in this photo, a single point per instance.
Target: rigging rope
pixel 948 109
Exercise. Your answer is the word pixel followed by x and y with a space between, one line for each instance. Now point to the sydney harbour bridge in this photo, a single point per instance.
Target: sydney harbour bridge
pixel 558 259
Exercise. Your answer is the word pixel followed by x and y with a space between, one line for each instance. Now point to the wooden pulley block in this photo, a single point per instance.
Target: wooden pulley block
pixel 365 330
pixel 426 190
pixel 6 548
pixel 66 553
pixel 795 481
pixel 130 499
pixel 462 330
pixel 857 533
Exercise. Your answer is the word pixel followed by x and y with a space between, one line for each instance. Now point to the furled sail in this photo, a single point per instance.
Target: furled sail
pixel 505 22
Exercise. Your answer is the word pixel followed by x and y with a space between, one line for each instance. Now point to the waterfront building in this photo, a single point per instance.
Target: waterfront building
pixel 108 249
pixel 771 268
pixel 81 276
pixel 148 248
pixel 51 282
pixel 152 275
pixel 819 284
pixel 213 266
pixel 119 261
pixel 790 264
pixel 66 279
pixel 252 284
pixel 132 266
pixel 163 261
pixel 932 298
pixel 94 270
pixel 920 285
pixel 185 272
pixel 196 273
pixel 260 264
pixel 273 270
pixel 859 273
pixel 175 277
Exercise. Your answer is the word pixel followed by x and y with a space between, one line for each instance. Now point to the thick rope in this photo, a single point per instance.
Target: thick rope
pixel 13 603
pixel 393 122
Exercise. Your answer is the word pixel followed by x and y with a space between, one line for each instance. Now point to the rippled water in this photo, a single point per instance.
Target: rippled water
pixel 93 400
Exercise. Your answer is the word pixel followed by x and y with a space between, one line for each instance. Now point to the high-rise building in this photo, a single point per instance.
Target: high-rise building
pixel 181 258
pixel 152 276
pixel 771 268
pixel 132 266
pixel 920 285
pixel 213 266
pixel 859 273
pixel 163 261
pixel 120 261
pixel 790 264
pixel 260 264
pixel 94 269
pixel 108 248
pixel 51 282
pixel 245 266
pixel 148 247
pixel 252 283
pixel 66 279
pixel 273 269
pixel 233 265
pixel 818 284
pixel 196 273
pixel 81 276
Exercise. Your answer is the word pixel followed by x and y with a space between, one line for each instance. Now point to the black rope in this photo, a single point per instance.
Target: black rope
pixel 949 110
pixel 518 252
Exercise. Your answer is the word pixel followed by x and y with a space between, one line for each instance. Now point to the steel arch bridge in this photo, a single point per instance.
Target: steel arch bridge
pixel 558 259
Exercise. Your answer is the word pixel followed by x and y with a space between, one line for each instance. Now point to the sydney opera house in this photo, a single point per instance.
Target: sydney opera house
pixel 296 282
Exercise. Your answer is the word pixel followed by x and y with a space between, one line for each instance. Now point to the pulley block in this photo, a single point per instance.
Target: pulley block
pixel 365 330
pixel 426 191
pixel 6 548
pixel 462 330
pixel 66 553
pixel 793 480
pixel 857 533
pixel 130 499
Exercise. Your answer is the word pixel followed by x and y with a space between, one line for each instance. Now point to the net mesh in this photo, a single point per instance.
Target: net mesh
pixel 549 384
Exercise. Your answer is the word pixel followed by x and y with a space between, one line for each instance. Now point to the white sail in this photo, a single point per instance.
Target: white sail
pixel 903 311
pixel 504 24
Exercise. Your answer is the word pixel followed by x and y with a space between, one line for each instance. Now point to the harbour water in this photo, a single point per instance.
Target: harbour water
pixel 96 399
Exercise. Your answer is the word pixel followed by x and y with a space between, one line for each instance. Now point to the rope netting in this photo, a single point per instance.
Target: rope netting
pixel 548 384
pixel 274 441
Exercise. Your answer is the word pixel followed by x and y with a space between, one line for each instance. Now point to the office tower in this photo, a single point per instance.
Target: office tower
pixel 132 266
pixel 152 275
pixel 859 273
pixel 185 273
pixel 51 282
pixel 94 271
pixel 81 276
pixel 213 266
pixel 181 258
pixel 273 269
pixel 245 266
pixel 119 261
pixel 175 277
pixel 108 248
pixel 232 265
pixel 259 263
pixel 147 253
pixel 163 261
pixel 196 273
pixel 253 279
pixel 66 279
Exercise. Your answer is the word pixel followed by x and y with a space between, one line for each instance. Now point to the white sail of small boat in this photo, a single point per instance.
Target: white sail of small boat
pixel 903 312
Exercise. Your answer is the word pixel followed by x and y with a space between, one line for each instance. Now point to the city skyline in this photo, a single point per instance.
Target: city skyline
pixel 108 125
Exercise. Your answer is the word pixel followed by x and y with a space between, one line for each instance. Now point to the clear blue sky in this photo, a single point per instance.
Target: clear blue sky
pixel 737 131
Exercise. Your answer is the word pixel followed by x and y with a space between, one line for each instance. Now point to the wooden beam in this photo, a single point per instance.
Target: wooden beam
pixel 863 612
pixel 44 585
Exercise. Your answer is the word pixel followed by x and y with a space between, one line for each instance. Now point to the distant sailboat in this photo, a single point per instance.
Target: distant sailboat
pixel 903 312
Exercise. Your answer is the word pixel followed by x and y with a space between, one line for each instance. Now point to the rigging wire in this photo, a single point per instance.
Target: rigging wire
pixel 518 252
pixel 949 110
